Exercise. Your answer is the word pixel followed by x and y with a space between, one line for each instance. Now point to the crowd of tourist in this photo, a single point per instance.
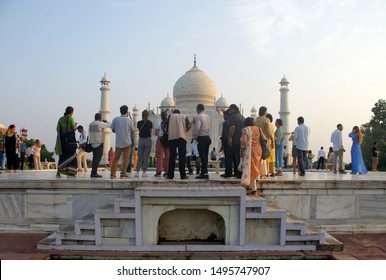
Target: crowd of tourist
pixel 251 149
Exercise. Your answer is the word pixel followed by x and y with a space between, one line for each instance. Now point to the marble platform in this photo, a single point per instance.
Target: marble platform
pixel 36 201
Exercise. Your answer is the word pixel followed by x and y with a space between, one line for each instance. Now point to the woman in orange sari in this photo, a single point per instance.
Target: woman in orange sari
pixel 250 154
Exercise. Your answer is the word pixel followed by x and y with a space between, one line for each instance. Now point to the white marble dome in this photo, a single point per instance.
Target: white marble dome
pixel 222 102
pixel 167 102
pixel 194 87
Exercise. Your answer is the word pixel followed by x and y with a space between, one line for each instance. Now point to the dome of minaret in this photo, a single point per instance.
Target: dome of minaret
pixel 105 79
pixel 284 80
pixel 194 87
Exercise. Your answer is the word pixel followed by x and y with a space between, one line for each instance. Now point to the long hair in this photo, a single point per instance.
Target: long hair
pixel 359 133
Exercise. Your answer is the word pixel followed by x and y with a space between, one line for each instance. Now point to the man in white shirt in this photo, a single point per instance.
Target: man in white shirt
pixel 337 147
pixel 202 124
pixel 301 141
pixel 97 138
pixel 81 156
pixel 123 127
pixel 321 158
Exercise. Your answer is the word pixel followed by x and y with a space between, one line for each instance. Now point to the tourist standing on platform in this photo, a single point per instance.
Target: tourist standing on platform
pixel 96 139
pixel 178 125
pixel 193 155
pixel 81 157
pixel 250 154
pixel 279 147
pixel 309 157
pixel 301 141
pixel 36 148
pixel 285 157
pixel 330 159
pixel 131 165
pixel 232 154
pixel 357 164
pixel 202 124
pixel 294 153
pixel 23 148
pixel 145 127
pixel 375 156
pixel 111 157
pixel 264 124
pixel 123 127
pixel 2 159
pixel 30 157
pixel 272 156
pixel 224 141
pixel 11 145
pixel 337 146
pixel 321 158
pixel 161 150
pixel 66 144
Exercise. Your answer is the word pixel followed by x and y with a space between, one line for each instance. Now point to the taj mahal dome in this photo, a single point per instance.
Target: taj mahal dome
pixel 192 88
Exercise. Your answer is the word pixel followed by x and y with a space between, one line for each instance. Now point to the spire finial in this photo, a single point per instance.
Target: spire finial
pixel 194 60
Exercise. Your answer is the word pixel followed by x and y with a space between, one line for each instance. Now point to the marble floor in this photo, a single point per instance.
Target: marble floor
pixel 287 176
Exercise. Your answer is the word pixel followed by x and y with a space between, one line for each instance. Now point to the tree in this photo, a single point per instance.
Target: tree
pixel 375 130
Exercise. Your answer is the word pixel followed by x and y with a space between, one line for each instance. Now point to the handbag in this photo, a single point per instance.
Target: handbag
pixel 264 146
pixel 87 147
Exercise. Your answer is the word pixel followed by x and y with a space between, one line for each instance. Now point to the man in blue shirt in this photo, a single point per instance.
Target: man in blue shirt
pixel 23 147
pixel 301 140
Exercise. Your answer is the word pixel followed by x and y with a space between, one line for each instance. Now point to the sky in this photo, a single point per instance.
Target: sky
pixel 54 53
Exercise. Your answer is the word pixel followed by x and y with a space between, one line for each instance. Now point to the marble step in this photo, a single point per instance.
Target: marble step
pixel 255 204
pixel 124 205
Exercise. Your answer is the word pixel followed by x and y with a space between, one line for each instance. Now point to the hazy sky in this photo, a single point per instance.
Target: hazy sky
pixel 54 53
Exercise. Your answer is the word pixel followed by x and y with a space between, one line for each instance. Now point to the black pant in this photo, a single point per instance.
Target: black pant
pixel 22 157
pixel 96 158
pixel 12 159
pixel 179 143
pixel 232 155
pixel 203 150
pixel 301 160
pixel 321 162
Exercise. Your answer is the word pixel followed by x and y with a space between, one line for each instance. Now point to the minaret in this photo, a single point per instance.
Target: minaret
pixel 284 110
pixel 105 112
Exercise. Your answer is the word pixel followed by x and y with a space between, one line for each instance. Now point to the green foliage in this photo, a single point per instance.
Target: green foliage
pixel 375 130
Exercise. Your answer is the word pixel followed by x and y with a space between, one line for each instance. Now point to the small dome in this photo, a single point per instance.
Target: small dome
pixel 167 102
pixel 135 108
pixel 253 110
pixel 105 79
pixel 222 102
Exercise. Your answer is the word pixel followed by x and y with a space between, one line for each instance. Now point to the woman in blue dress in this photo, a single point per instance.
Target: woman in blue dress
pixel 358 166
